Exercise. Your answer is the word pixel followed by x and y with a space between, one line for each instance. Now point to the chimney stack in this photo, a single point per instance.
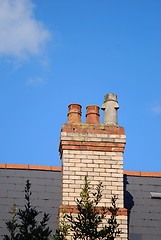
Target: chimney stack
pixel 94 150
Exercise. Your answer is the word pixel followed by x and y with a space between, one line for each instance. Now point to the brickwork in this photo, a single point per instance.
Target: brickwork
pixel 96 151
pixel 121 220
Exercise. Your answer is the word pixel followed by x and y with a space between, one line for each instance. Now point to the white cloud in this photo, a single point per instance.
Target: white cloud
pixel 156 108
pixel 36 82
pixel 20 32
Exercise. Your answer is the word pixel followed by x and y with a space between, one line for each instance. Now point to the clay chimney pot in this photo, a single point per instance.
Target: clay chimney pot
pixel 92 114
pixel 74 113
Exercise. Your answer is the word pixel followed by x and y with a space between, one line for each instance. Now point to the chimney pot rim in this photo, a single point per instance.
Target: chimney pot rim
pixel 74 104
pixel 92 105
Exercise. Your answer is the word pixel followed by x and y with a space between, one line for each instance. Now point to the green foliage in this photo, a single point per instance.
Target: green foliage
pixel 86 225
pixel 62 231
pixel 24 225
pixel 12 225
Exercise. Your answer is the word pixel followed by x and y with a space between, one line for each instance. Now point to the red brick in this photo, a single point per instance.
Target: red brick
pixel 97 144
pixel 92 128
pixel 73 209
pixel 91 148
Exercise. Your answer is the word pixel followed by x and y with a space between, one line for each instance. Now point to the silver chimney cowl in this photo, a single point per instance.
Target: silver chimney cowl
pixel 110 107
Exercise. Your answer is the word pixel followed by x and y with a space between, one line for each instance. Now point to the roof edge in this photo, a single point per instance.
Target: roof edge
pixel 142 174
pixel 30 167
pixel 58 169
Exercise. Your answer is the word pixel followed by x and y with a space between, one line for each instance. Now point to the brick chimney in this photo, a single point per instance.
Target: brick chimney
pixel 95 150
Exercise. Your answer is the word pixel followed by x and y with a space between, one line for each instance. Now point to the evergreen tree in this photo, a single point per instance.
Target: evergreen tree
pixel 87 224
pixel 24 224
pixel 12 225
pixel 62 231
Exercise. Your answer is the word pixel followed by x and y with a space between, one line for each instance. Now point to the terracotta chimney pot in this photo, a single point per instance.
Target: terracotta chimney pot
pixel 74 113
pixel 92 114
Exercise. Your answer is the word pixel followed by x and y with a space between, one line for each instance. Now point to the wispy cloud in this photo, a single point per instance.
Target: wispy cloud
pixel 156 109
pixel 20 32
pixel 36 82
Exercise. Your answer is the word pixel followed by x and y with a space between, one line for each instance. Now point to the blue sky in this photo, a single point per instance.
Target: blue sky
pixel 57 52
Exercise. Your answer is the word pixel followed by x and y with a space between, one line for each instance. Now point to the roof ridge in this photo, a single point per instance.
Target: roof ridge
pixel 58 169
pixel 30 167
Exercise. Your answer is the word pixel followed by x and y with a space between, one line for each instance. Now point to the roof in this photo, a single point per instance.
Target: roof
pixel 45 187
pixel 58 169
pixel 144 210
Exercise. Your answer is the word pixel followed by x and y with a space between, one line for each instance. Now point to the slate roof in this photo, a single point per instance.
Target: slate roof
pixel 144 211
pixel 45 187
